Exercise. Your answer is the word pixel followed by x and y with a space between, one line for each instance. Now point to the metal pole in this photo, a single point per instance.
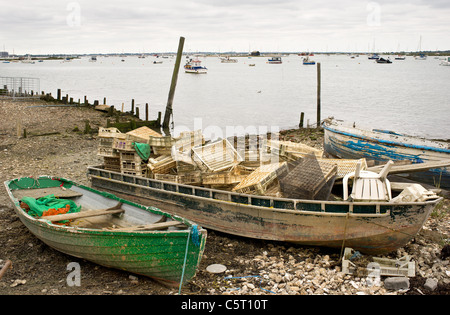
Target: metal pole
pixel 173 84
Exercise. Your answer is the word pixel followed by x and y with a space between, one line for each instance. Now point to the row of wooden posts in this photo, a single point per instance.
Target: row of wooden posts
pixel 111 109
pixel 168 113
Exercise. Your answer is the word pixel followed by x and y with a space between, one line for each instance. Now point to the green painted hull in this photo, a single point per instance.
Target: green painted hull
pixel 161 255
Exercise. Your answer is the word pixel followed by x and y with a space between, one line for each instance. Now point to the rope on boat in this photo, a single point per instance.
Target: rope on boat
pixel 195 236
pixel 185 259
pixel 345 235
pixel 193 230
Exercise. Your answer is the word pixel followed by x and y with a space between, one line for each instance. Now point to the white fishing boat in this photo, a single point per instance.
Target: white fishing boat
pixel 194 66
pixel 28 60
pixel 275 60
pixel 227 59
pixel 307 61
pixel 445 62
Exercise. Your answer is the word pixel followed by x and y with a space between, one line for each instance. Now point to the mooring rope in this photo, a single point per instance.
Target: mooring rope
pixel 185 259
pixel 345 235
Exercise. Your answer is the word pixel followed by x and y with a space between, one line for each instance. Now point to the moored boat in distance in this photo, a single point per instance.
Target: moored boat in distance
pixel 275 60
pixel 445 62
pixel 194 66
pixel 383 60
pixel 307 61
pixel 227 59
pixel 420 57
pixel 107 230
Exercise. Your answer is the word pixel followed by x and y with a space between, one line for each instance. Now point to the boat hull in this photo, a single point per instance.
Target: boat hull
pixel 353 143
pixel 371 228
pixel 157 254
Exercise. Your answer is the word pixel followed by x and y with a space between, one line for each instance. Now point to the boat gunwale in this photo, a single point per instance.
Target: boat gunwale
pixel 323 212
pixel 390 142
pixel 75 229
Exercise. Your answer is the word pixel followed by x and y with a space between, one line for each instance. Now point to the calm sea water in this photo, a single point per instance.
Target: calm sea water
pixel 408 96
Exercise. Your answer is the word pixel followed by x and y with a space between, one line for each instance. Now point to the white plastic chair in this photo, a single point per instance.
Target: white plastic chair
pixel 367 185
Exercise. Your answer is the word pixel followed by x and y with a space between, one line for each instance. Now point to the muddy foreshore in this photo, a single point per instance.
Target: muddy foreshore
pixel 56 145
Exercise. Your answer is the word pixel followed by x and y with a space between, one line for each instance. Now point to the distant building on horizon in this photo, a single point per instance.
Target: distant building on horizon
pixel 4 54
pixel 255 53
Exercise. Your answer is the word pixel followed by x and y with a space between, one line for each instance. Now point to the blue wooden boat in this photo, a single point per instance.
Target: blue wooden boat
pixel 350 142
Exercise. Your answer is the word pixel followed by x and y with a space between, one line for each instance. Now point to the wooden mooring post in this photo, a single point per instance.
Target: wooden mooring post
pixel 173 85
pixel 318 94
pixel 302 117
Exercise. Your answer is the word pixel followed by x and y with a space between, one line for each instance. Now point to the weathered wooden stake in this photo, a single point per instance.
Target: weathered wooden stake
pixel 87 127
pixel 173 85
pixel 104 101
pixel 59 95
pixel 146 111
pixel 302 116
pixel 137 112
pixel 318 94
pixel 132 106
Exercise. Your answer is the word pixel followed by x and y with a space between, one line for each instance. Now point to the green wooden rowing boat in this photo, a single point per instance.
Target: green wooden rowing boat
pixel 111 231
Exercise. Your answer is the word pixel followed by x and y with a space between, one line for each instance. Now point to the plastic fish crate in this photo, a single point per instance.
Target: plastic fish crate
pixel 225 178
pixel 167 177
pixel 183 167
pixel 123 144
pixel 166 141
pixel 130 156
pixel 105 147
pixel 132 166
pixel 112 163
pixel 345 166
pixel 190 178
pixel 142 134
pixel 402 267
pixel 142 173
pixel 107 152
pixel 260 179
pixel 307 179
pixel 110 133
pixel 161 150
pixel 161 165
pixel 216 156
pixel 285 148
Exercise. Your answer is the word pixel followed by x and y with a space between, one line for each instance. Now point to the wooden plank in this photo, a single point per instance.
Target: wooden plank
pixel 82 214
pixel 149 227
pixel 42 192
pixel 396 169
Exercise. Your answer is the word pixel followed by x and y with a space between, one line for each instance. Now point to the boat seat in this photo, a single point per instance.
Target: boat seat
pixel 367 185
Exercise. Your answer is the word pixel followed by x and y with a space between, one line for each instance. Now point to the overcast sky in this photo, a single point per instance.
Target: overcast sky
pixel 136 26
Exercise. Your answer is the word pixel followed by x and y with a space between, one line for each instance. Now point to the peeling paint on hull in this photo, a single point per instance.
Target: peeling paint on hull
pixel 156 254
pixel 371 228
pixel 353 143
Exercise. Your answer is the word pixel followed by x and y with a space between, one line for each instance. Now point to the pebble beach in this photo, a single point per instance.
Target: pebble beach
pixel 55 144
